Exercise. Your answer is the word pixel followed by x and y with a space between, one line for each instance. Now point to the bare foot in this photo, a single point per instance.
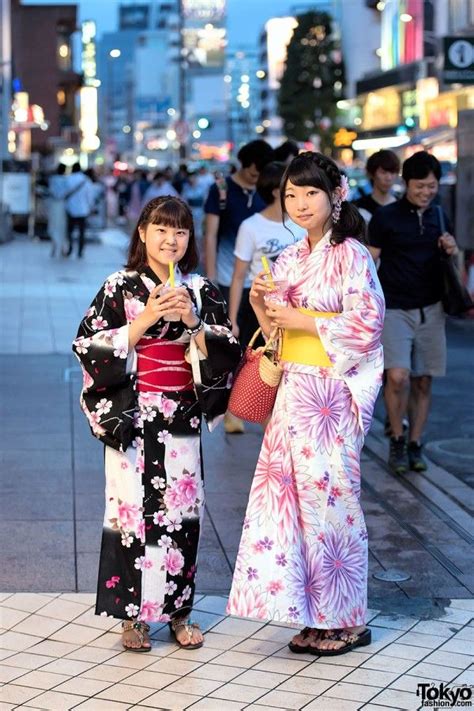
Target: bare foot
pixel 187 634
pixel 323 643
pixel 306 639
pixel 135 636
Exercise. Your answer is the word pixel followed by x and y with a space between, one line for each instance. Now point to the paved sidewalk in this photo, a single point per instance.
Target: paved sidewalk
pixel 57 655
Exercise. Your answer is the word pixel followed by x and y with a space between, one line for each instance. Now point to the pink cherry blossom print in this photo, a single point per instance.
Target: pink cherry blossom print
pixel 129 515
pixel 133 308
pixel 187 488
pixel 167 407
pixel 149 611
pixel 173 561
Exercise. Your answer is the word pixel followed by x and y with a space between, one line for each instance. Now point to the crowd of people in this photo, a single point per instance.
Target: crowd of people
pixel 160 343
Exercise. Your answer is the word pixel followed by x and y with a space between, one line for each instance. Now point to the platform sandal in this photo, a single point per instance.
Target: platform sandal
pixel 351 641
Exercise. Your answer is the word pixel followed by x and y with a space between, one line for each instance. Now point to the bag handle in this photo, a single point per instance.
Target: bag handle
pixel 273 344
pixel 441 220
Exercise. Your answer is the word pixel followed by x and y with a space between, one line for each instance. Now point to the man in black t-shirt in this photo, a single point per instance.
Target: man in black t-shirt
pixel 407 237
pixel 382 169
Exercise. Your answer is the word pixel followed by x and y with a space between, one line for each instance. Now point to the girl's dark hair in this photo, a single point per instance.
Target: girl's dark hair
pixel 268 180
pixel 170 212
pixel 321 172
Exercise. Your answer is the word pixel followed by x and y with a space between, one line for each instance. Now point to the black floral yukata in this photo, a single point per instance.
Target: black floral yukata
pixel 152 436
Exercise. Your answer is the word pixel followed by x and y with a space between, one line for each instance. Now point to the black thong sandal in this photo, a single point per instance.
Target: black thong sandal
pixel 188 626
pixel 299 648
pixel 141 630
pixel 351 641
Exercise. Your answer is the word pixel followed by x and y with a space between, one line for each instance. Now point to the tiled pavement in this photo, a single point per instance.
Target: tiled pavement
pixel 56 655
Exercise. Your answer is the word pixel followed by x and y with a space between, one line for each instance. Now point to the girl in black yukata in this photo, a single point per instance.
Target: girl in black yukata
pixel 157 352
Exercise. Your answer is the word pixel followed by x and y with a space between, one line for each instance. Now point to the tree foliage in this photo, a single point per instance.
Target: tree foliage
pixel 313 79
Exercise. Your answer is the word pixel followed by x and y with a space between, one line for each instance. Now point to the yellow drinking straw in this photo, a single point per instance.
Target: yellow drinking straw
pixel 267 270
pixel 171 268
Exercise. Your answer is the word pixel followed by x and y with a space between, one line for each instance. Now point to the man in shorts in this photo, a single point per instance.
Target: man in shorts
pixel 407 238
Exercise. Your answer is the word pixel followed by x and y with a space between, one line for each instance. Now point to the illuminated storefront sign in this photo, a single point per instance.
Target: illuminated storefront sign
pixel 402 32
pixel 88 122
pixel 381 108
pixel 205 46
pixel 88 54
pixel 279 33
pixel 204 10
pixel 443 110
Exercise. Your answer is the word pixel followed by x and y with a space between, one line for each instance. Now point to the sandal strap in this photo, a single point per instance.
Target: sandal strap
pixel 140 628
pixel 186 625
pixel 342 635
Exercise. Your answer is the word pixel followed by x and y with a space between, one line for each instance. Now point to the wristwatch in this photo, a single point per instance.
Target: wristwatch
pixel 196 329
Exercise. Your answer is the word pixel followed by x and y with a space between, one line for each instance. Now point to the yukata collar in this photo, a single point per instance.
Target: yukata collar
pixel 306 250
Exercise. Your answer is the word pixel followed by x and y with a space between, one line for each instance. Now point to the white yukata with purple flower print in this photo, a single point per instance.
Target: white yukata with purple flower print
pixel 303 552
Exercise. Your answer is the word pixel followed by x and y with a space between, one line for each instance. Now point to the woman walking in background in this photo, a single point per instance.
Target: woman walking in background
pixel 303 552
pixel 57 189
pixel 263 234
pixel 144 400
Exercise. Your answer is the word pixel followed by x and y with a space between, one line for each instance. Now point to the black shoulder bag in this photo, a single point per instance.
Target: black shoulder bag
pixel 456 299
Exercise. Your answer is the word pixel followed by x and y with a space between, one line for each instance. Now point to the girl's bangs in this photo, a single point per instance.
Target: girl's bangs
pixel 172 214
pixel 305 172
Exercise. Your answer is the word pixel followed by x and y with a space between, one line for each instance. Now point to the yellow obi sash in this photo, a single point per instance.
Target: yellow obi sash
pixel 302 347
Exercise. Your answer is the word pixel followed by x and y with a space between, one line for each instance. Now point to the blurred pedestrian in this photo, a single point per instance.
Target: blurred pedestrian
pixel 285 152
pixel 138 188
pixel 408 238
pixel 159 187
pixel 194 193
pixel 181 178
pixel 263 234
pixel 229 202
pixel 79 202
pixel 205 179
pixel 142 401
pixel 57 190
pixel 97 218
pixel 383 168
pixel 303 553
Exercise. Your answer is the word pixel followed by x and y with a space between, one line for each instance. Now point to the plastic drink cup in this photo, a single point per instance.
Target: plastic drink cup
pixel 173 316
pixel 277 292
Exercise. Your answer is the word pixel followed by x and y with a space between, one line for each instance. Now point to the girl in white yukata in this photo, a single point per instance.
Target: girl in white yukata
pixel 303 552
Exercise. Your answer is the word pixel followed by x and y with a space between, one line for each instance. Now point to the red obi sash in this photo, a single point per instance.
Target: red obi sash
pixel 161 366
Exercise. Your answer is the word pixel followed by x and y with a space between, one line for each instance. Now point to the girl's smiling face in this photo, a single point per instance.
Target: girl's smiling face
pixel 164 244
pixel 308 206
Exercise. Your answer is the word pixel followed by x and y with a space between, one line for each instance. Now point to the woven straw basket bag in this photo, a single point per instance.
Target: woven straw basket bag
pixel 256 381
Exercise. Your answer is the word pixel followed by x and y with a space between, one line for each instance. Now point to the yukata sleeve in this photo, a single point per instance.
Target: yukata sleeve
pixel 352 339
pixel 213 375
pixel 101 346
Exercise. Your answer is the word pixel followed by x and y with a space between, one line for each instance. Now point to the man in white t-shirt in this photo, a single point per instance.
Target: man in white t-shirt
pixel 262 234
